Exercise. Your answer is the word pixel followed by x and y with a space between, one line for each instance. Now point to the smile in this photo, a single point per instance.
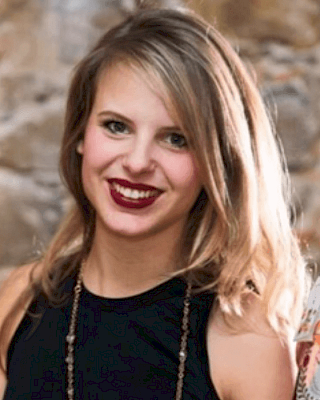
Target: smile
pixel 133 195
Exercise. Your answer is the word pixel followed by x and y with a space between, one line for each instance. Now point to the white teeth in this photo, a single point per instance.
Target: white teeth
pixel 133 193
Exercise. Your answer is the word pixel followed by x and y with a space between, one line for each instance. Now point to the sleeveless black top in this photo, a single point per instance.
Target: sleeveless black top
pixel 126 349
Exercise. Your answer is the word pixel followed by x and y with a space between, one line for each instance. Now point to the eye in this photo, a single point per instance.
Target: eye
pixel 176 140
pixel 116 127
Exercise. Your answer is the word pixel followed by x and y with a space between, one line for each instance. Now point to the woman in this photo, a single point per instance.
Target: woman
pixel 176 275
pixel 308 349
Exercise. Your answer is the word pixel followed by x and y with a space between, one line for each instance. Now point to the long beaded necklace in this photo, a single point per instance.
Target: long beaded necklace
pixel 71 338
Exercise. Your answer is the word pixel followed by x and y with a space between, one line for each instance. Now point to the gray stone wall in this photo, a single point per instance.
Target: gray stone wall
pixel 41 40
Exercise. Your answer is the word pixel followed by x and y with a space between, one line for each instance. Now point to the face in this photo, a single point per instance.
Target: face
pixel 138 170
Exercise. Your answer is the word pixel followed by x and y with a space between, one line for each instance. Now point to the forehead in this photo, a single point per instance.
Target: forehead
pixel 114 78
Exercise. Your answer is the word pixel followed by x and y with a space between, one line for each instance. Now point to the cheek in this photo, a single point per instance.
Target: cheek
pixel 92 149
pixel 185 173
pixel 97 150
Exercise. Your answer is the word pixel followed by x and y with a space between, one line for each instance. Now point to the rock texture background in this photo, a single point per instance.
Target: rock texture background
pixel 41 40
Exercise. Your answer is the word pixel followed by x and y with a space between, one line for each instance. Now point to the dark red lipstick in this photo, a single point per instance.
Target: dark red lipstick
pixel 133 195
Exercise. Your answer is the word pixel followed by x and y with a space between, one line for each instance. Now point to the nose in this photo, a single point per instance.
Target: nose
pixel 138 158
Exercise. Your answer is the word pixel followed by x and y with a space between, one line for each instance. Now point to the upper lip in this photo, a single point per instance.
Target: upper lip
pixel 131 185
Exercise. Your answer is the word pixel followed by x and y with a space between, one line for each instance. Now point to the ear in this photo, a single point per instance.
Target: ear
pixel 79 148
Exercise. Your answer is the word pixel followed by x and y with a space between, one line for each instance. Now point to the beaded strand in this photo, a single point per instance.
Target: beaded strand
pixel 71 338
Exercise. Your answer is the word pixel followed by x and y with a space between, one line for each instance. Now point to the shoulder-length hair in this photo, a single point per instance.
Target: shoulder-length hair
pixel 238 231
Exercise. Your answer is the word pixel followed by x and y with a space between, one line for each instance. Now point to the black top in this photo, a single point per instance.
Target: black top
pixel 126 348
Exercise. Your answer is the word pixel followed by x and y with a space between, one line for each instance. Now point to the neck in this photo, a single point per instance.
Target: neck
pixel 121 266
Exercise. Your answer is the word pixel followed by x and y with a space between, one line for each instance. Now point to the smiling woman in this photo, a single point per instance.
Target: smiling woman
pixel 131 162
pixel 176 274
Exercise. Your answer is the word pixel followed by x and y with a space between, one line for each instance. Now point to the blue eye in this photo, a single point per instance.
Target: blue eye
pixel 116 127
pixel 176 140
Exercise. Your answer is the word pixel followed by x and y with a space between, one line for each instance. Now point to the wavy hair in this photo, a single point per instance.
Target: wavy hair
pixel 238 231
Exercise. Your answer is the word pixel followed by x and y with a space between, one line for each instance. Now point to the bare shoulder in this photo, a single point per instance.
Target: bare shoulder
pixel 13 286
pixel 10 291
pixel 10 297
pixel 251 364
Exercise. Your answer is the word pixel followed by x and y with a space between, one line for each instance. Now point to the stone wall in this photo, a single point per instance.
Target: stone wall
pixel 280 41
pixel 40 40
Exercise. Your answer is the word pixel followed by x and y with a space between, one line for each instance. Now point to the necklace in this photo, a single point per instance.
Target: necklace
pixel 71 338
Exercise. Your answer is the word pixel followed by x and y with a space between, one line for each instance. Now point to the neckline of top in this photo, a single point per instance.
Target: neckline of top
pixel 174 287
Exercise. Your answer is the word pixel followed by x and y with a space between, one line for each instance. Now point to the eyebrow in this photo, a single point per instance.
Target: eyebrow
pixel 128 120
pixel 115 115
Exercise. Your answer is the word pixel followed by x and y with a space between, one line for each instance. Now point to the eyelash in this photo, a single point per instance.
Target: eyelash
pixel 113 126
pixel 179 136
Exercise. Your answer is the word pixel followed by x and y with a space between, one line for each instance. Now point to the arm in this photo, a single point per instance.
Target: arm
pixel 3 384
pixel 250 365
pixel 10 291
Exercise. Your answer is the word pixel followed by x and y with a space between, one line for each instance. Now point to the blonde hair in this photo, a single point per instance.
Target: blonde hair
pixel 238 231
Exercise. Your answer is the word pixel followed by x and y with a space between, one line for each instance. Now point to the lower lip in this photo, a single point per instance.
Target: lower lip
pixel 131 203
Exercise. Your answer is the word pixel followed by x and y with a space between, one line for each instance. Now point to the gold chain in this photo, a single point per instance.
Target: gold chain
pixel 71 338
